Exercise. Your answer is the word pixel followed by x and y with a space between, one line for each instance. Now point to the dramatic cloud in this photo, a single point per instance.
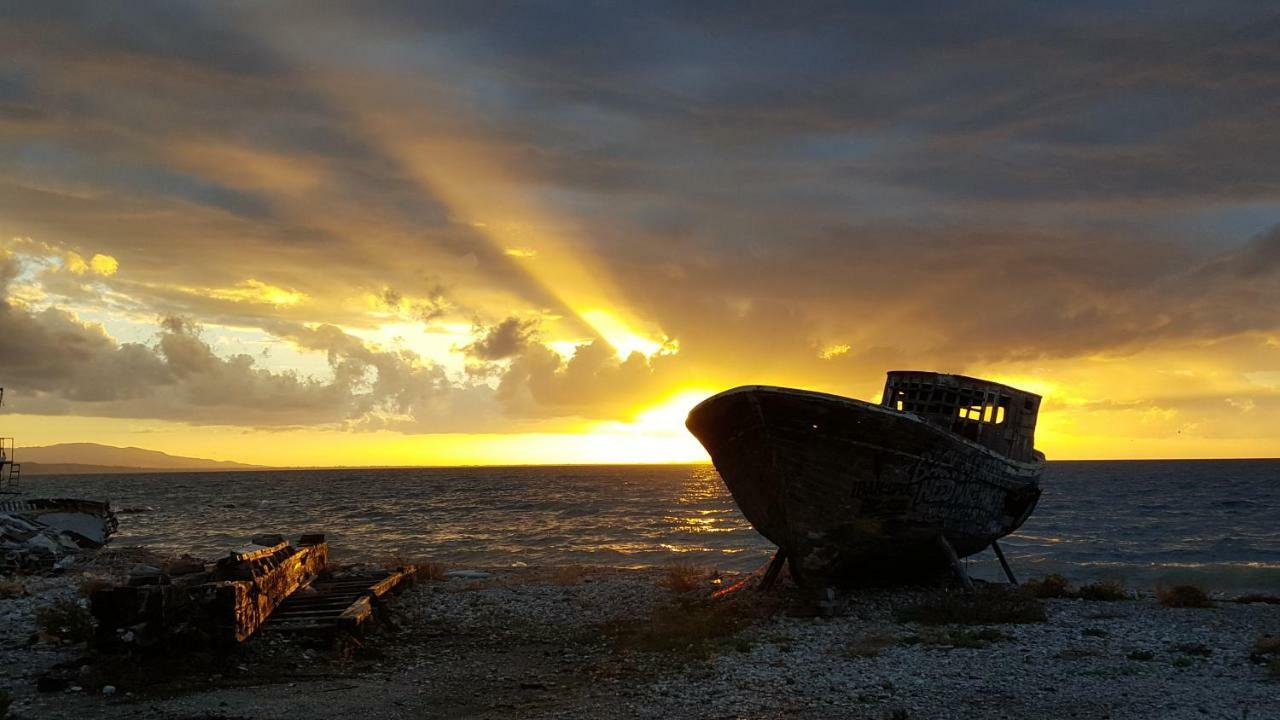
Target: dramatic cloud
pixel 61 365
pixel 592 383
pixel 507 338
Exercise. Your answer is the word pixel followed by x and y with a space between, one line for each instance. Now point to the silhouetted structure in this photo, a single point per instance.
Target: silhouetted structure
pixel 849 490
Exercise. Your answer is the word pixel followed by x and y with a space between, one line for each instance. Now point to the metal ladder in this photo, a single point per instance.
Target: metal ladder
pixel 10 471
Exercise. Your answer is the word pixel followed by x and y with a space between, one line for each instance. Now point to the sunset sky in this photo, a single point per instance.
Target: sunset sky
pixel 491 233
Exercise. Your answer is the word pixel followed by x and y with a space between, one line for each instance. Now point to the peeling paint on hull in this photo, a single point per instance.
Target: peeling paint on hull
pixel 854 491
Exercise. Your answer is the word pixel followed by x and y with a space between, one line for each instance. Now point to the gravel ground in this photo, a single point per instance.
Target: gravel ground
pixel 544 643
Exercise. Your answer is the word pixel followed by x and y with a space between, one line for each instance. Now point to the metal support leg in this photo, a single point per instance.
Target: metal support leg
pixel 1008 572
pixel 955 563
pixel 775 567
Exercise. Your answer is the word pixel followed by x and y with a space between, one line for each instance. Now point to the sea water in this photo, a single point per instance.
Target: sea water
pixel 1212 522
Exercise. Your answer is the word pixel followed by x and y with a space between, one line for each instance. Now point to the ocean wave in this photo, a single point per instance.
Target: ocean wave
pixel 1144 522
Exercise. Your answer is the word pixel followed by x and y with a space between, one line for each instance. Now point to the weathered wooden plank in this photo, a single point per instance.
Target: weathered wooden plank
pixel 357 613
pixel 222 607
pixel 339 602
pixel 250 553
pixel 394 580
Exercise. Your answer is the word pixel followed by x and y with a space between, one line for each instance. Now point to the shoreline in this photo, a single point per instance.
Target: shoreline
pixel 570 641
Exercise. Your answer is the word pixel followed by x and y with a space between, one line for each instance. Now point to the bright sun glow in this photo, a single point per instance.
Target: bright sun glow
pixel 657 432
pixel 1028 383
pixel 476 182
pixel 623 339
pixel 671 413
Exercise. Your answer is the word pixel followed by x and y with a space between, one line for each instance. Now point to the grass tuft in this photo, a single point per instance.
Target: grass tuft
pixel 1142 655
pixel 1057 586
pixel 1094 632
pixel 684 577
pixel 1194 649
pixel 994 605
pixel 1104 591
pixel 1183 596
pixel 1050 586
pixel 424 569
pixel 10 589
pixel 65 620
pixel 432 571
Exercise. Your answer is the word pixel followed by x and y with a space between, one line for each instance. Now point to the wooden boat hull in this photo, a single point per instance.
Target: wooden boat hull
pixel 853 491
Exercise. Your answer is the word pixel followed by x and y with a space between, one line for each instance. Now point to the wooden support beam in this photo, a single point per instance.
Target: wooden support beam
pixel 406 574
pixel 775 568
pixel 1008 572
pixel 359 611
pixel 955 563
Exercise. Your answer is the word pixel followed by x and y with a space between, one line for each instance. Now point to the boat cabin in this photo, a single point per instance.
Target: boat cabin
pixel 993 415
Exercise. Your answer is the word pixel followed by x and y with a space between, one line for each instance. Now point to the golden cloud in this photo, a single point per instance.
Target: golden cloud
pixel 101 265
pixel 256 291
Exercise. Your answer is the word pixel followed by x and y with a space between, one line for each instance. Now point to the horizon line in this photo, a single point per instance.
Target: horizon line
pixel 126 469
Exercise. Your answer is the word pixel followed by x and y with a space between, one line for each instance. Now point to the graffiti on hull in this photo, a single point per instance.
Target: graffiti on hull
pixel 953 489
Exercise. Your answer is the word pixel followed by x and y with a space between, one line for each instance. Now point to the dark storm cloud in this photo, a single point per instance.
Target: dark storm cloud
pixel 175 30
pixel 997 100
pixel 1004 101
pixel 507 338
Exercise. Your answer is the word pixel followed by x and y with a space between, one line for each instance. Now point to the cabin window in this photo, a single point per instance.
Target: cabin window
pixel 978 405
pixel 983 413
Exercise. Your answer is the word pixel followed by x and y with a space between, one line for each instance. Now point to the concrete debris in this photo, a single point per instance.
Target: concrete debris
pixel 41 535
pixel 468 575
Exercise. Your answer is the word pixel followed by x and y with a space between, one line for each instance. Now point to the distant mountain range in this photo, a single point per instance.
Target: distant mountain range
pixel 68 458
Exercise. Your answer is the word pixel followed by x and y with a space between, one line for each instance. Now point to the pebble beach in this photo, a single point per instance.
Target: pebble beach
pixel 587 642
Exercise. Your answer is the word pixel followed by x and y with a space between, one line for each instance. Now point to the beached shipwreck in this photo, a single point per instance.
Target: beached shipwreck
pixel 851 491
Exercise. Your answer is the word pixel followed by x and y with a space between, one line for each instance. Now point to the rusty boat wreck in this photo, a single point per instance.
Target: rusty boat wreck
pixel 852 492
